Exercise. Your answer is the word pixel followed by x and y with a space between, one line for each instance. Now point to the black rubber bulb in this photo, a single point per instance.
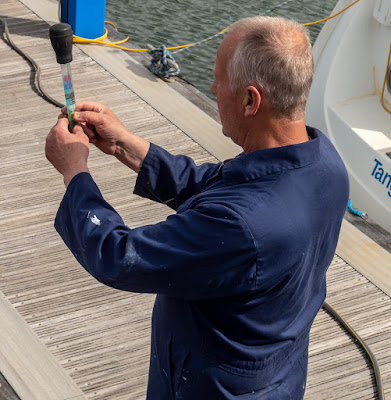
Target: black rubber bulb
pixel 61 36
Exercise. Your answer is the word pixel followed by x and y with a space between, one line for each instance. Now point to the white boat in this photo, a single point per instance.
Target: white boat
pixel 348 104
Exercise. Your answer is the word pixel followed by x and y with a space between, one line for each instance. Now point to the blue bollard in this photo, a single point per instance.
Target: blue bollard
pixel 86 17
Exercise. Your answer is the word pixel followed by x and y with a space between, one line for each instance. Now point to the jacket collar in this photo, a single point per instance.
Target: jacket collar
pixel 250 166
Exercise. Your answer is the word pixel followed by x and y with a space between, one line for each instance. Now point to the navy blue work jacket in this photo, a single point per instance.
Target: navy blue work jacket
pixel 239 269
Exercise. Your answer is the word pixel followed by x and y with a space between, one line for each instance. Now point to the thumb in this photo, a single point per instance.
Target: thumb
pixel 62 123
pixel 77 129
pixel 79 133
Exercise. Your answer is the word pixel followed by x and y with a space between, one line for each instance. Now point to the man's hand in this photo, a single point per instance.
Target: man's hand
pixel 107 133
pixel 100 124
pixel 68 152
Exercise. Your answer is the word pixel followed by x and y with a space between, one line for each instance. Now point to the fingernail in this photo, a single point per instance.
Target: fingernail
pixel 74 114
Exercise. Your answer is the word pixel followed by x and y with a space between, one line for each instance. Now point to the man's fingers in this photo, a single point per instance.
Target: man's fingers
pixel 86 106
pixel 90 106
pixel 90 117
pixel 89 132
pixel 55 133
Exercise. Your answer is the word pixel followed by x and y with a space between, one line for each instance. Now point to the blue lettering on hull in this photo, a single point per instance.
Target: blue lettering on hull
pixel 382 176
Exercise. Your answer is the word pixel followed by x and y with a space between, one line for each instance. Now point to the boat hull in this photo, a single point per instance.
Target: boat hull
pixel 345 103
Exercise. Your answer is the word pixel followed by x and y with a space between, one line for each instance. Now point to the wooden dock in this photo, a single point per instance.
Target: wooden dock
pixel 63 335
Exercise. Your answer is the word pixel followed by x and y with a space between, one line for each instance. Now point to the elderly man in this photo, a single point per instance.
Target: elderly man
pixel 240 268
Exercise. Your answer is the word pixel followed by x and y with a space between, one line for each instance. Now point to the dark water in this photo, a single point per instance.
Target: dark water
pixel 177 22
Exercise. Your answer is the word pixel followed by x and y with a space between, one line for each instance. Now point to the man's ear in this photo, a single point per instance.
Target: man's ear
pixel 252 101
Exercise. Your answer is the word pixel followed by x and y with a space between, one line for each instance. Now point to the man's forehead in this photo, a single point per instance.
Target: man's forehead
pixel 229 43
pixel 227 47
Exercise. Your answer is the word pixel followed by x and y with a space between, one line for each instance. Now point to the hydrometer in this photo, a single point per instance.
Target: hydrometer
pixel 61 36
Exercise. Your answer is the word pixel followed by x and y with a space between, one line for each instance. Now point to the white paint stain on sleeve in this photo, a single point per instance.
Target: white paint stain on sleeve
pixel 130 256
pixel 95 220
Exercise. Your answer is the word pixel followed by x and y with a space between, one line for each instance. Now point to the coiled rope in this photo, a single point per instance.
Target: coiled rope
pixel 163 63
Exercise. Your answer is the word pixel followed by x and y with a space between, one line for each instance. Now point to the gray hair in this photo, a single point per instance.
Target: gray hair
pixel 275 56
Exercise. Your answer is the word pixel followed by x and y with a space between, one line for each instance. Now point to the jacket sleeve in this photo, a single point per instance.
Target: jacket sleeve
pixel 170 179
pixel 202 253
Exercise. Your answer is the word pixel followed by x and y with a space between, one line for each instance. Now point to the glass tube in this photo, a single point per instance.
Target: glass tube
pixel 69 93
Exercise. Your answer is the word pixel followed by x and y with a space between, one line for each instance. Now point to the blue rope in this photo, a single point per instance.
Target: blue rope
pixel 356 212
pixel 159 65
pixel 163 63
pixel 278 6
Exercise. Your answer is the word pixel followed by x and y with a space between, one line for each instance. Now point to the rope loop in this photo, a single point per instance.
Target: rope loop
pixel 163 63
